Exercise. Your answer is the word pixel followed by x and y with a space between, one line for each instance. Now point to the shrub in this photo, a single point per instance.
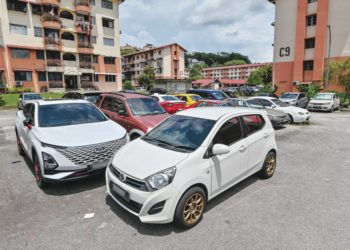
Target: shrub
pixel 128 86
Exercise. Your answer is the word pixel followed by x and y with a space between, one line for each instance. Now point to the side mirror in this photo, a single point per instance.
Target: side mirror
pixel 19 99
pixel 106 114
pixel 28 123
pixel 273 106
pixel 121 112
pixel 220 149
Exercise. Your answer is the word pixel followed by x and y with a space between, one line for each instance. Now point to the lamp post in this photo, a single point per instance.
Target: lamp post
pixel 214 67
pixel 329 56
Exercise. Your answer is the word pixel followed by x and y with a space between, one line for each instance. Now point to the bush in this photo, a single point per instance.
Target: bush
pixel 344 97
pixel 268 89
pixel 128 86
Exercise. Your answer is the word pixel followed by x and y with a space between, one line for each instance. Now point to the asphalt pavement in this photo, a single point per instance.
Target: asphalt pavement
pixel 305 205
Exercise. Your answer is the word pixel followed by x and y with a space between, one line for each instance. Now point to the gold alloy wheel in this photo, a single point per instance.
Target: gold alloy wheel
pixel 271 165
pixel 193 208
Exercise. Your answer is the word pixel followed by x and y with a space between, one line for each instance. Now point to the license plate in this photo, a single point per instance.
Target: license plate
pixel 284 120
pixel 121 192
pixel 317 107
pixel 97 166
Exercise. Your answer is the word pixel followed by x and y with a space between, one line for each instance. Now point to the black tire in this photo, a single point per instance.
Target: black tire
pixel 296 105
pixel 269 166
pixel 291 118
pixel 332 109
pixel 18 107
pixel 19 146
pixel 40 181
pixel 195 212
pixel 134 137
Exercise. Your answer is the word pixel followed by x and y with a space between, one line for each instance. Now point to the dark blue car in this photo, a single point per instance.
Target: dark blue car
pixel 209 94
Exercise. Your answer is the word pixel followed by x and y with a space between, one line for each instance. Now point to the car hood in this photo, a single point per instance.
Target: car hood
pixel 141 159
pixel 152 121
pixel 275 112
pixel 287 99
pixel 292 109
pixel 80 135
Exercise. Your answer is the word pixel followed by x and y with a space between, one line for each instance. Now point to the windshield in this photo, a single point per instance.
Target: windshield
pixel 255 104
pixel 225 104
pixel 279 103
pixel 92 98
pixel 322 97
pixel 196 97
pixel 144 106
pixel 180 133
pixel 230 94
pixel 32 97
pixel 220 95
pixel 69 114
pixel 290 96
pixel 170 98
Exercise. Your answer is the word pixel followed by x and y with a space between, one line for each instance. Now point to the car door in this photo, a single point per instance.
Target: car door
pixel 120 119
pixel 336 100
pixel 256 139
pixel 213 104
pixel 304 98
pixel 28 112
pixel 241 104
pixel 266 103
pixel 106 106
pixel 229 168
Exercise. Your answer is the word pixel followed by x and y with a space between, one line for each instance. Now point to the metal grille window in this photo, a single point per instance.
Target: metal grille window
pixel 93 40
pixel 159 63
pixel 107 23
pixel 42 76
pixel 23 76
pixel 108 42
pixel 312 1
pixel 17 5
pixel 18 29
pixel 38 32
pixel 95 59
pixel 109 60
pixel 95 78
pixel 159 52
pixel 309 65
pixel 20 53
pixel 311 20
pixel 310 43
pixel 40 55
pixel 110 78
pixel 92 2
pixel 55 76
pixel 107 4
pixel 36 9
pixel 93 20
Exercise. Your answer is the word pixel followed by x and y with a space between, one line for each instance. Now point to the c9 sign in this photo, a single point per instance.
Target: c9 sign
pixel 285 51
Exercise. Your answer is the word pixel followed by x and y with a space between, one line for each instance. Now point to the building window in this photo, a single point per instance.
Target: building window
pixel 40 55
pixel 93 20
pixel 23 76
pixel 311 20
pixel 159 52
pixel 38 32
pixel 55 76
pixel 20 53
pixel 108 42
pixel 109 60
pixel 67 36
pixel 107 23
pixel 95 78
pixel 17 5
pixel 138 57
pixel 93 40
pixel 42 76
pixel 95 59
pixel 142 57
pixel 92 2
pixel 309 65
pixel 18 29
pixel 107 4
pixel 36 9
pixel 312 1
pixel 138 65
pixel 110 78
pixel 310 43
pixel 66 15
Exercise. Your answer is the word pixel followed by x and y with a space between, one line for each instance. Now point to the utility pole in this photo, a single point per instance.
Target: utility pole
pixel 329 56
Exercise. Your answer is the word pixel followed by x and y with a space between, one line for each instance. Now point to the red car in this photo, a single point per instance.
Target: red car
pixel 135 112
pixel 170 103
pixel 210 103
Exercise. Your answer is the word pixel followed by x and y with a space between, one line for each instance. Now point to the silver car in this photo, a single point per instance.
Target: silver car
pixel 277 118
pixel 25 97
pixel 295 99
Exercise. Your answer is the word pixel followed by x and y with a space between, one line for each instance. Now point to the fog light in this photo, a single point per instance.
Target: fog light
pixel 157 208
pixel 49 162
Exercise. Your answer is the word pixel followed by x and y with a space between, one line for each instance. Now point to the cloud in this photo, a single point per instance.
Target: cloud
pixel 140 40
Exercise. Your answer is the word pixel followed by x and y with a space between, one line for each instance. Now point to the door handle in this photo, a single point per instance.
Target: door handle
pixel 243 148
pixel 266 135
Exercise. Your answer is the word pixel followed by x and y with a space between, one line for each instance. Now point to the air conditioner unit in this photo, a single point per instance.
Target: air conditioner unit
pixel 19 83
pixel 296 84
pixel 120 32
pixel 65 27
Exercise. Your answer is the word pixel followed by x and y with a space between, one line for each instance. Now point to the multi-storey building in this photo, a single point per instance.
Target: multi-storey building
pixel 58 45
pixel 301 42
pixel 238 72
pixel 168 62
pixel 187 73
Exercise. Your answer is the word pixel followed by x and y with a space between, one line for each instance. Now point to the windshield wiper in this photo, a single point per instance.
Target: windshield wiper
pixel 147 138
pixel 184 147
pixel 145 115
pixel 158 113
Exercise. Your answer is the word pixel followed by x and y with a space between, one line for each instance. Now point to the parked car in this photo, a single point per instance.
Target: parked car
pixel 141 89
pixel 66 140
pixel 253 89
pixel 324 102
pixel 277 117
pixel 157 90
pixel 210 103
pixel 209 94
pixel 192 157
pixel 90 96
pixel 297 115
pixel 137 113
pixel 127 91
pixel 26 97
pixel 295 99
pixel 170 103
pixel 231 94
pixel 189 98
pixel 268 95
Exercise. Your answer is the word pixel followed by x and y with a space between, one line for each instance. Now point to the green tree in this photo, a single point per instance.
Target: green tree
pixel 255 79
pixel 128 86
pixel 148 78
pixel 264 73
pixel 129 51
pixel 234 62
pixel 219 58
pixel 269 89
pixel 339 73
pixel 310 90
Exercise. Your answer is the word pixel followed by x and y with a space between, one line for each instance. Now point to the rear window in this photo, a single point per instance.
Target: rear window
pixel 170 98
pixel 226 104
pixel 91 97
pixel 253 123
pixel 32 97
pixel 196 97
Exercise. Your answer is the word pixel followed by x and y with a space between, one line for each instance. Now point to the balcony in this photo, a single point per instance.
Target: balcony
pixel 83 7
pixel 70 63
pixel 88 85
pixel 53 43
pixel 50 21
pixel 86 65
pixel 85 47
pixel 83 26
pixel 56 84
pixel 54 2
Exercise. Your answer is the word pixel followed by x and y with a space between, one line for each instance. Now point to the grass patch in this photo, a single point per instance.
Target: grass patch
pixel 301 124
pixel 8 107
pixel 12 99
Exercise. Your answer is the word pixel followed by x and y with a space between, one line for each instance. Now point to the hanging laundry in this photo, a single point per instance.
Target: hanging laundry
pixel 52 12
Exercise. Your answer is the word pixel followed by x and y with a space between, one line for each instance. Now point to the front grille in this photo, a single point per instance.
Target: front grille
pixel 91 154
pixel 317 104
pixel 132 205
pixel 140 185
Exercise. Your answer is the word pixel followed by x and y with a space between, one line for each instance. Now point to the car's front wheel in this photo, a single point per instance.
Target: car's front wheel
pixel 190 208
pixel 19 146
pixel 38 175
pixel 269 166
pixel 332 109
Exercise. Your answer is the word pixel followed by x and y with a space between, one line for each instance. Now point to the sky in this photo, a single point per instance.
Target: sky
pixel 241 26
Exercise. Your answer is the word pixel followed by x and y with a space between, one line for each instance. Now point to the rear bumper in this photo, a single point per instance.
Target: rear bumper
pixel 280 122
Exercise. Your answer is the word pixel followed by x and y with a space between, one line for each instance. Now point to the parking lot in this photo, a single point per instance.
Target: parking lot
pixel 306 205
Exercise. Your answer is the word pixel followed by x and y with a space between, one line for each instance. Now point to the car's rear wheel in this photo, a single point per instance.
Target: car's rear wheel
pixel 269 166
pixel 38 175
pixel 291 118
pixel 19 146
pixel 189 210
pixel 134 137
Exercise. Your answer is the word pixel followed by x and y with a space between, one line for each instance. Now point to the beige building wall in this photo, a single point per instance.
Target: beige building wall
pixel 181 67
pixel 166 54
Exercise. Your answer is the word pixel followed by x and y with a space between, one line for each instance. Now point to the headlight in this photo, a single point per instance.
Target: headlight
pixel 49 162
pixel 291 102
pixel 328 103
pixel 301 113
pixel 271 117
pixel 161 179
pixel 311 103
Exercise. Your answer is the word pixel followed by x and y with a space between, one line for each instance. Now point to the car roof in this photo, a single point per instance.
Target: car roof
pixel 239 99
pixel 215 113
pixel 56 101
pixel 204 90
pixel 325 93
pixel 85 92
pixel 187 95
pixel 263 97
pixel 126 95
pixel 211 100
pixel 31 93
pixel 294 93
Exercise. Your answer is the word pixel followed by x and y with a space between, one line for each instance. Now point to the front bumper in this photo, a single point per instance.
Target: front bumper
pixel 141 202
pixel 280 122
pixel 301 118
pixel 320 107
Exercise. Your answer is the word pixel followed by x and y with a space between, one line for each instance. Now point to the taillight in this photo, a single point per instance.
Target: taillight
pixel 169 104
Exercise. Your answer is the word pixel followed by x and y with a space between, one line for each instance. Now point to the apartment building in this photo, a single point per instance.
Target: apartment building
pixel 60 45
pixel 238 72
pixel 168 62
pixel 187 73
pixel 301 41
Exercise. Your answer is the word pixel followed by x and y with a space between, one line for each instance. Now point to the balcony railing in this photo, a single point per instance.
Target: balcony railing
pixel 51 18
pixel 52 40
pixel 55 84
pixel 84 25
pixel 70 63
pixel 86 65
pixel 82 3
pixel 88 84
pixel 85 45
pixel 54 63
pixel 159 71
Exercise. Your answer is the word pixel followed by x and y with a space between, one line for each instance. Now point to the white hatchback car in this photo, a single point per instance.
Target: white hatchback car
pixel 297 115
pixel 67 139
pixel 324 102
pixel 189 159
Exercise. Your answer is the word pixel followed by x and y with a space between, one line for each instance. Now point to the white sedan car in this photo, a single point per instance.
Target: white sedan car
pixel 67 139
pixel 189 159
pixel 297 115
pixel 324 102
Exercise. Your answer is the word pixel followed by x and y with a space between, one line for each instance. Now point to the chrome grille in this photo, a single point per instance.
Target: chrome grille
pixel 132 182
pixel 91 154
